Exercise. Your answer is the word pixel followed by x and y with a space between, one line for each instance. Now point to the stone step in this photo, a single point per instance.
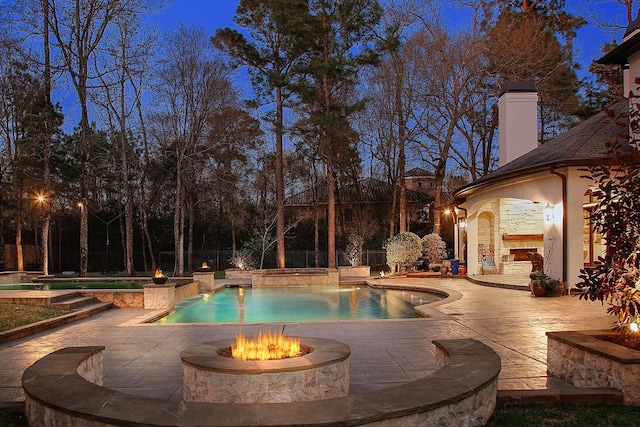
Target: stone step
pixel 561 396
pixel 33 328
pixel 73 303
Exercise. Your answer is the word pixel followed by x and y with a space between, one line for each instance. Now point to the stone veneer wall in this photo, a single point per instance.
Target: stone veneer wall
pixel 129 298
pixel 168 295
pixel 274 278
pixel 237 273
pixel 588 362
pixel 210 377
pixel 519 217
pixel 351 271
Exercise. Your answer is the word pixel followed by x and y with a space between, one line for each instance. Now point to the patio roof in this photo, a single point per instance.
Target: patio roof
pixel 582 145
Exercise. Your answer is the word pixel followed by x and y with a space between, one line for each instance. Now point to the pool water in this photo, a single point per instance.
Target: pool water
pixel 302 304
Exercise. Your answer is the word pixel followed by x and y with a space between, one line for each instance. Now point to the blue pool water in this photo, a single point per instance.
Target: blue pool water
pixel 258 305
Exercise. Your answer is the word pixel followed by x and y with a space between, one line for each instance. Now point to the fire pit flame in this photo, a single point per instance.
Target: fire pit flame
pixel 265 347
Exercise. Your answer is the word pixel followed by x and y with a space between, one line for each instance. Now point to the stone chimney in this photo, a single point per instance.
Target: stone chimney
pixel 517 120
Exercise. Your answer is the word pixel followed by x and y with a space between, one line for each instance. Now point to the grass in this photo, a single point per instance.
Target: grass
pixel 566 416
pixel 10 418
pixel 533 416
pixel 16 315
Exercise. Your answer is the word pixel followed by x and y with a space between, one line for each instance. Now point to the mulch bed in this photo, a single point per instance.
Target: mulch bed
pixel 623 340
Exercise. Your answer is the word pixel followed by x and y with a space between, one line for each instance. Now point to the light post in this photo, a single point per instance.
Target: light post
pixel 41 200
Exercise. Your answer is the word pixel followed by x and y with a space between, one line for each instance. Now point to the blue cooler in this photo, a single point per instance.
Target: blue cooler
pixel 455 265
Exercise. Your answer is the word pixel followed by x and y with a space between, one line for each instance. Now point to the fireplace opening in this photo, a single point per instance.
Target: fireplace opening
pixel 520 254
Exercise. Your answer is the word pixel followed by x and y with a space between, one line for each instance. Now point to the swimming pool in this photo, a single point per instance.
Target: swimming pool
pixel 301 304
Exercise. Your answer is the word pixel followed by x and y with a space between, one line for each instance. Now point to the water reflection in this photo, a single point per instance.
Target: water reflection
pixel 303 304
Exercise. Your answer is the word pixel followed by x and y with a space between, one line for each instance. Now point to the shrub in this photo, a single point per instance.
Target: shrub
pixel 403 251
pixel 434 249
pixel 243 260
pixel 354 250
pixel 616 277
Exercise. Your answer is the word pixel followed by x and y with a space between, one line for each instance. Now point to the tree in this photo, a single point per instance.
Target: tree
pixel 448 66
pixel 126 56
pixel 403 251
pixel 337 48
pixel 524 43
pixel 193 85
pixel 78 29
pixel 616 216
pixel 269 57
pixel 607 87
pixel 387 121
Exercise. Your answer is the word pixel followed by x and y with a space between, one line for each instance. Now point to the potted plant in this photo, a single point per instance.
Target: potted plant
pixel 542 285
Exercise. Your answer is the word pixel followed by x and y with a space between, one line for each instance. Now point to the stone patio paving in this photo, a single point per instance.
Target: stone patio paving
pixel 144 359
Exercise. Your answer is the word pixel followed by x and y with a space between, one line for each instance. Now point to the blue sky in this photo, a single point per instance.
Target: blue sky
pixel 213 14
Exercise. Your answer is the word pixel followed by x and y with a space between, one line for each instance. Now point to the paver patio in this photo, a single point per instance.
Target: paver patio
pixel 144 359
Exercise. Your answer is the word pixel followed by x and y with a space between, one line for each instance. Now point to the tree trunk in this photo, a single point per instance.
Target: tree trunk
pixel 19 255
pixel 190 237
pixel 280 225
pixel 126 187
pixel 401 142
pixel 178 231
pixel 331 215
pixel 393 209
pixel 46 172
pixel 84 176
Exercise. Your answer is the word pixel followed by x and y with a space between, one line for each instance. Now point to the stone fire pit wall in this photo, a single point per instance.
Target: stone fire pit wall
pixel 63 389
pixel 210 377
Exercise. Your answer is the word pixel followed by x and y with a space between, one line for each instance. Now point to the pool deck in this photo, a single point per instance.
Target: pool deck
pixel 144 359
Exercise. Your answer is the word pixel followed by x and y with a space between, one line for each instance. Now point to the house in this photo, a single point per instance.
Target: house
pixel 363 209
pixel 539 198
pixel 418 179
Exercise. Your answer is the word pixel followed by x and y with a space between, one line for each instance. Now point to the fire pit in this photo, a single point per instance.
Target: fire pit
pixel 211 375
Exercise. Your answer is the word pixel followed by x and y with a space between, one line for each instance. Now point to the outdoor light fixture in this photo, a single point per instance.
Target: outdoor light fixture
pixel 547 213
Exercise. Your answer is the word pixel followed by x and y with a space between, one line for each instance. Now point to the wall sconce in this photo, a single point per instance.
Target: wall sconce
pixel 463 224
pixel 547 213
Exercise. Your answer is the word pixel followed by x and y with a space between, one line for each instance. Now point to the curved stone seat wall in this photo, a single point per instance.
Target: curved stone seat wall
pixel 63 388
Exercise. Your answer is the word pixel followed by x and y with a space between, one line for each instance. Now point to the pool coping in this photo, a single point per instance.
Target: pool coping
pixel 425 311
